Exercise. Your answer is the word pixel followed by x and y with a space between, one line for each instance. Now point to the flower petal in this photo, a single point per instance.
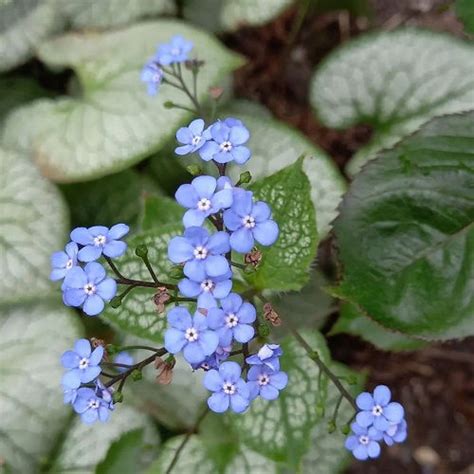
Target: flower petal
pixel 238 403
pixel 208 340
pixel 218 402
pixel 232 220
pixel 59 259
pixel 107 289
pixel 95 272
pixel 187 196
pixel 242 204
pixel 209 150
pixel 218 243
pixel 205 186
pixel 268 392
pixel 394 412
pixel 216 265
pixel 114 248
pixel 279 380
pixel 222 199
pixel 373 449
pixel 365 401
pixel 382 395
pixel 174 340
pixel 75 278
pixel 89 253
pixel 74 296
pixel 70 359
pixel 197 125
pixel 93 305
pixel 194 217
pixel 82 236
pixel 222 288
pixel 242 240
pixel 381 423
pixel 243 333
pixel 364 419
pixel 360 452
pixel 230 371
pixel 189 287
pixel 240 154
pixel 212 381
pixel 266 233
pixel 71 379
pixel 180 250
pixel 238 135
pixel 96 356
pixel 180 318
pixel 261 211
pixel 193 353
pixel 247 313
pixel 89 374
pixel 118 231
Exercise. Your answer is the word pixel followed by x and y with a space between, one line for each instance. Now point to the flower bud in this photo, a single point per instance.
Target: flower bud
pixel 331 427
pixel 117 397
pixel 194 170
pixel 245 177
pixel 346 429
pixel 115 302
pixel 141 251
pixel 216 92
pixel 271 315
pixel 176 272
pixel 168 105
pixel 263 329
pixel 320 410
pixel 112 349
pixel 136 375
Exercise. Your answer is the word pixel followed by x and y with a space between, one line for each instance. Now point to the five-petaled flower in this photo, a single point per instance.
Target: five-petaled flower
pixel 266 382
pixel 364 442
pixel 229 389
pixel 249 221
pixel 88 288
pixel 189 334
pixel 152 76
pixel 91 406
pixel 63 261
pixel 176 51
pixel 192 137
pixel 268 355
pixel 233 320
pixel 98 240
pixel 202 200
pixel 226 143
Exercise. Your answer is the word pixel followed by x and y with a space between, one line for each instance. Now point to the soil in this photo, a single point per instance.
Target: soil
pixel 436 384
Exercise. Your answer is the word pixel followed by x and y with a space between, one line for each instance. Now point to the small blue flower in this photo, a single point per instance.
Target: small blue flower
pixel 104 393
pixel 207 290
pixel 190 335
pixel 62 262
pixel 396 433
pixel 233 321
pixel 88 288
pixel 98 240
pixel 201 253
pixel 268 355
pixel 364 442
pixel 152 76
pixel 214 360
pixel 229 389
pixel 377 410
pixel 202 200
pixel 70 394
pixel 192 137
pixel 227 142
pixel 91 406
pixel 83 364
pixel 265 382
pixel 123 358
pixel 248 222
pixel 176 51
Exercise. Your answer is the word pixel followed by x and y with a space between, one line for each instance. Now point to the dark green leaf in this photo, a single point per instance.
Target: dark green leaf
pixel 465 12
pixel 159 210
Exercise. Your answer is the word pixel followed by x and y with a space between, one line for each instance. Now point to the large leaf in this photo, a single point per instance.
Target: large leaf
pixel 159 210
pixel 391 81
pixel 406 233
pixel 83 449
pixel 113 123
pixel 110 13
pixel 274 146
pixel 22 24
pixel 33 224
pixel 281 429
pixel 465 12
pixel 32 339
pixel 137 315
pixel 285 265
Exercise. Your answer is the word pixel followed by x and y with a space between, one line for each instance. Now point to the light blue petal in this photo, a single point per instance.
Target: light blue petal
pixel 380 423
pixel 238 403
pixel 197 125
pixel 206 301
pixel 180 250
pixel 93 305
pixel 216 265
pixel 193 353
pixel 74 296
pixel 254 390
pixel 82 236
pixel 89 253
pixel 394 412
pixel 71 379
pixel 266 233
pixel 223 157
pixel 75 278
pixel 70 360
pixel 247 313
pixel 232 303
pixel 96 356
pixel 351 443
pixel 365 401
pixel 180 318
pixel 174 340
pixel 89 374
pixel 196 235
pixel 213 381
pixel 215 318
pixel 183 150
pixel 83 348
pixel 254 372
pixel 360 452
pixel 242 204
pixel 98 230
pixel 189 287
pixel 364 418
pixel 239 135
pixel 184 135
pixel 208 340
pixel 118 231
pixel 382 395
pixel 222 199
pixel 218 402
pixel 242 240
pixel 114 248
pixel 57 274
pixel 107 289
pixel 90 416
pixel 204 185
pixel 59 259
pixel 195 270
pixel 95 272
pixel 104 414
pixel 208 150
pixel 261 211
pixel 232 220
pixel 243 333
pixel 279 380
pixel 194 217
pixel 218 243
pixel 187 196
pixel 373 449
pixel 222 289
pixel 230 371
pixel 240 154
pixel 268 392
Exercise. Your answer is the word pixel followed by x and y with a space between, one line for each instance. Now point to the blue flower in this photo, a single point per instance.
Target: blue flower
pixel 268 355
pixel 152 75
pixel 82 362
pixel 233 321
pixel 62 262
pixel 364 442
pixel 104 393
pixel 98 240
pixel 265 382
pixel 190 335
pixel 123 358
pixel 377 410
pixel 88 288
pixel 91 406
pixel 207 290
pixel 229 389
pixel 248 222
pixel 192 137
pixel 396 433
pixel 70 394
pixel 176 51
pixel 202 200
pixel 227 142
pixel 201 253
pixel 214 360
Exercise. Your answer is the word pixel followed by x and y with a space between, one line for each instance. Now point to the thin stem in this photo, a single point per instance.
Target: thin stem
pixel 238 265
pixel 336 409
pixel 145 348
pixel 183 107
pixel 150 269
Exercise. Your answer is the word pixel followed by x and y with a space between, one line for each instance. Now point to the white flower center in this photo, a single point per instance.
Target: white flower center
pixel 248 222
pixel 191 334
pixel 204 204
pixel 89 288
pixel 200 252
pixel 99 240
pixel 263 379
pixel 69 264
pixel 207 285
pixel 175 51
pixel 205 366
pixel 84 363
pixel 231 320
pixel 377 410
pixel 196 140
pixel 228 388
pixel 364 439
pixel 225 146
pixel 94 404
pixel 156 77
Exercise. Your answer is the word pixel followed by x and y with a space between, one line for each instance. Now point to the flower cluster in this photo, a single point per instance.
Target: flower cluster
pixel 88 286
pixel 222 319
pixel 81 385
pixel 378 419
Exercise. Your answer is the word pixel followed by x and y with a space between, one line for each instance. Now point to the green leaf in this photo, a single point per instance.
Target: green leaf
pixel 113 123
pixel 105 201
pixel 285 265
pixel 83 449
pixel 23 23
pixel 33 224
pixel 280 429
pixel 352 321
pixel 137 314
pixel 32 339
pixel 406 233
pixel 159 210
pixel 390 81
pixel 274 146
pixel 465 12
pixel 111 13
